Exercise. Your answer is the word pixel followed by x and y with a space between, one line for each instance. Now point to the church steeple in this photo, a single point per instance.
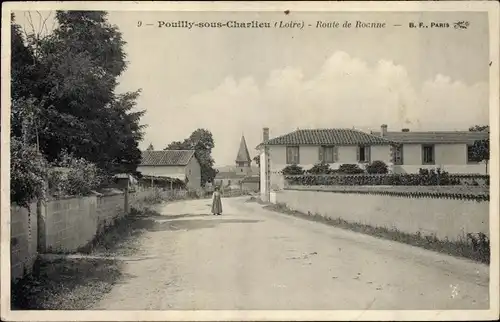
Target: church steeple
pixel 243 157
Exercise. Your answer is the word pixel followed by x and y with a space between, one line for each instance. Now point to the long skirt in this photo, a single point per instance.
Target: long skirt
pixel 217 205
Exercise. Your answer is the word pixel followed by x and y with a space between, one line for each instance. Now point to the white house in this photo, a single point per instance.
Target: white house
pixel 176 164
pixel 449 150
pixel 403 152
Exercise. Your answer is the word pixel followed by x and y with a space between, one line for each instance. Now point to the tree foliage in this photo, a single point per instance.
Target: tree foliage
pixel 28 172
pixel 481 148
pixel 63 92
pixel 79 177
pixel 202 142
pixel 257 160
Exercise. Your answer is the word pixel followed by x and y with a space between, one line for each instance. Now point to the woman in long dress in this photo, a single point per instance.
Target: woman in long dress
pixel 216 202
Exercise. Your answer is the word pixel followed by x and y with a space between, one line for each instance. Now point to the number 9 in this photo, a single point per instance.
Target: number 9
pixel 139 23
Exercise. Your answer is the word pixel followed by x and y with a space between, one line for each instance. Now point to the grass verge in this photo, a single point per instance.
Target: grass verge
pixel 472 247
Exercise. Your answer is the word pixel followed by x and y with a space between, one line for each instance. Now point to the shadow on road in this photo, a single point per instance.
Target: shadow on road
pixel 153 224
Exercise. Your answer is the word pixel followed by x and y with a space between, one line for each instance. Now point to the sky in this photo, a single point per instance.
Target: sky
pixel 237 81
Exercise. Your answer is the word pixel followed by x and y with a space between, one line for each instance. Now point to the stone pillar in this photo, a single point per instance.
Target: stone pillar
pixel 265 174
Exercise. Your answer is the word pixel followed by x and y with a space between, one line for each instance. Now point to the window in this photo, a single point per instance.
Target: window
pixel 292 155
pixel 363 153
pixel 327 154
pixel 428 154
pixel 398 154
pixel 471 158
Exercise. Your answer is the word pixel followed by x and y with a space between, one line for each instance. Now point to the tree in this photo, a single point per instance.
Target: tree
pixel 481 148
pixel 257 160
pixel 64 91
pixel 150 147
pixel 202 142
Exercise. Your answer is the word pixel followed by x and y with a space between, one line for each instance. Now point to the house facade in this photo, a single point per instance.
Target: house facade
pixel 173 164
pixel 448 150
pixel 333 146
pixel 403 152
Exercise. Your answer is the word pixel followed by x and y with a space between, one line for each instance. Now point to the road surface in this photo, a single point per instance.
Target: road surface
pixel 254 259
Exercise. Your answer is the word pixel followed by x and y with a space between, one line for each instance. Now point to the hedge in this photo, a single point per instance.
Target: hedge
pixel 370 180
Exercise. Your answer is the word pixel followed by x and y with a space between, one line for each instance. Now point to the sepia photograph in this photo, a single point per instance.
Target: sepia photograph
pixel 250 161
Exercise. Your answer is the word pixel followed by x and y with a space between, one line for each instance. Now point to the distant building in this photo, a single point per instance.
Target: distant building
pixel 180 165
pixel 232 176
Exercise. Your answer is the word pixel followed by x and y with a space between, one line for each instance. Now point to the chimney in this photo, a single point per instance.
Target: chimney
pixel 405 130
pixel 265 134
pixel 383 130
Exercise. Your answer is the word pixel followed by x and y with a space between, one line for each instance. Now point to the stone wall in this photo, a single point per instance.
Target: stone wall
pixel 23 238
pixel 70 223
pixel 448 219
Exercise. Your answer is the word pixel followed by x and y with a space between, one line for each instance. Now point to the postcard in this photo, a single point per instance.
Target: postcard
pixel 212 161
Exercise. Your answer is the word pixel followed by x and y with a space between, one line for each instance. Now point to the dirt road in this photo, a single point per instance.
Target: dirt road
pixel 254 259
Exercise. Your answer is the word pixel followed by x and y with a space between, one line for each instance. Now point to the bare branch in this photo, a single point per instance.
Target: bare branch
pixel 40 18
pixel 30 21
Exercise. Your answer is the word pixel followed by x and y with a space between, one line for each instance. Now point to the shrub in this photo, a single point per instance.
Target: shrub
pixel 429 178
pixel 350 169
pixel 377 167
pixel 292 170
pixel 320 168
pixel 77 177
pixel 28 171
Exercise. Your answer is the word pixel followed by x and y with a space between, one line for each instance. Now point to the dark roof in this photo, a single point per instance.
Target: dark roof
pixel 465 137
pixel 327 136
pixel 167 157
pixel 243 155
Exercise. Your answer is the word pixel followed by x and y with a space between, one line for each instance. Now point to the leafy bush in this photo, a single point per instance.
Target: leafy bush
pixel 28 172
pixel 292 170
pixel 320 168
pixel 350 169
pixel 377 167
pixel 74 177
pixel 429 178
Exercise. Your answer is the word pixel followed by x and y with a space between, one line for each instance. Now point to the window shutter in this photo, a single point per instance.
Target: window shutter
pixel 392 154
pixel 367 153
pixel 335 154
pixel 357 152
pixel 320 154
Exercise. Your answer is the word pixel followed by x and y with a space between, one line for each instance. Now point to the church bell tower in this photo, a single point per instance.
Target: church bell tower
pixel 243 160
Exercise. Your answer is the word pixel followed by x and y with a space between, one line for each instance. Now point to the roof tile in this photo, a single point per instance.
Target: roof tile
pixel 327 136
pixel 166 157
pixel 465 137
